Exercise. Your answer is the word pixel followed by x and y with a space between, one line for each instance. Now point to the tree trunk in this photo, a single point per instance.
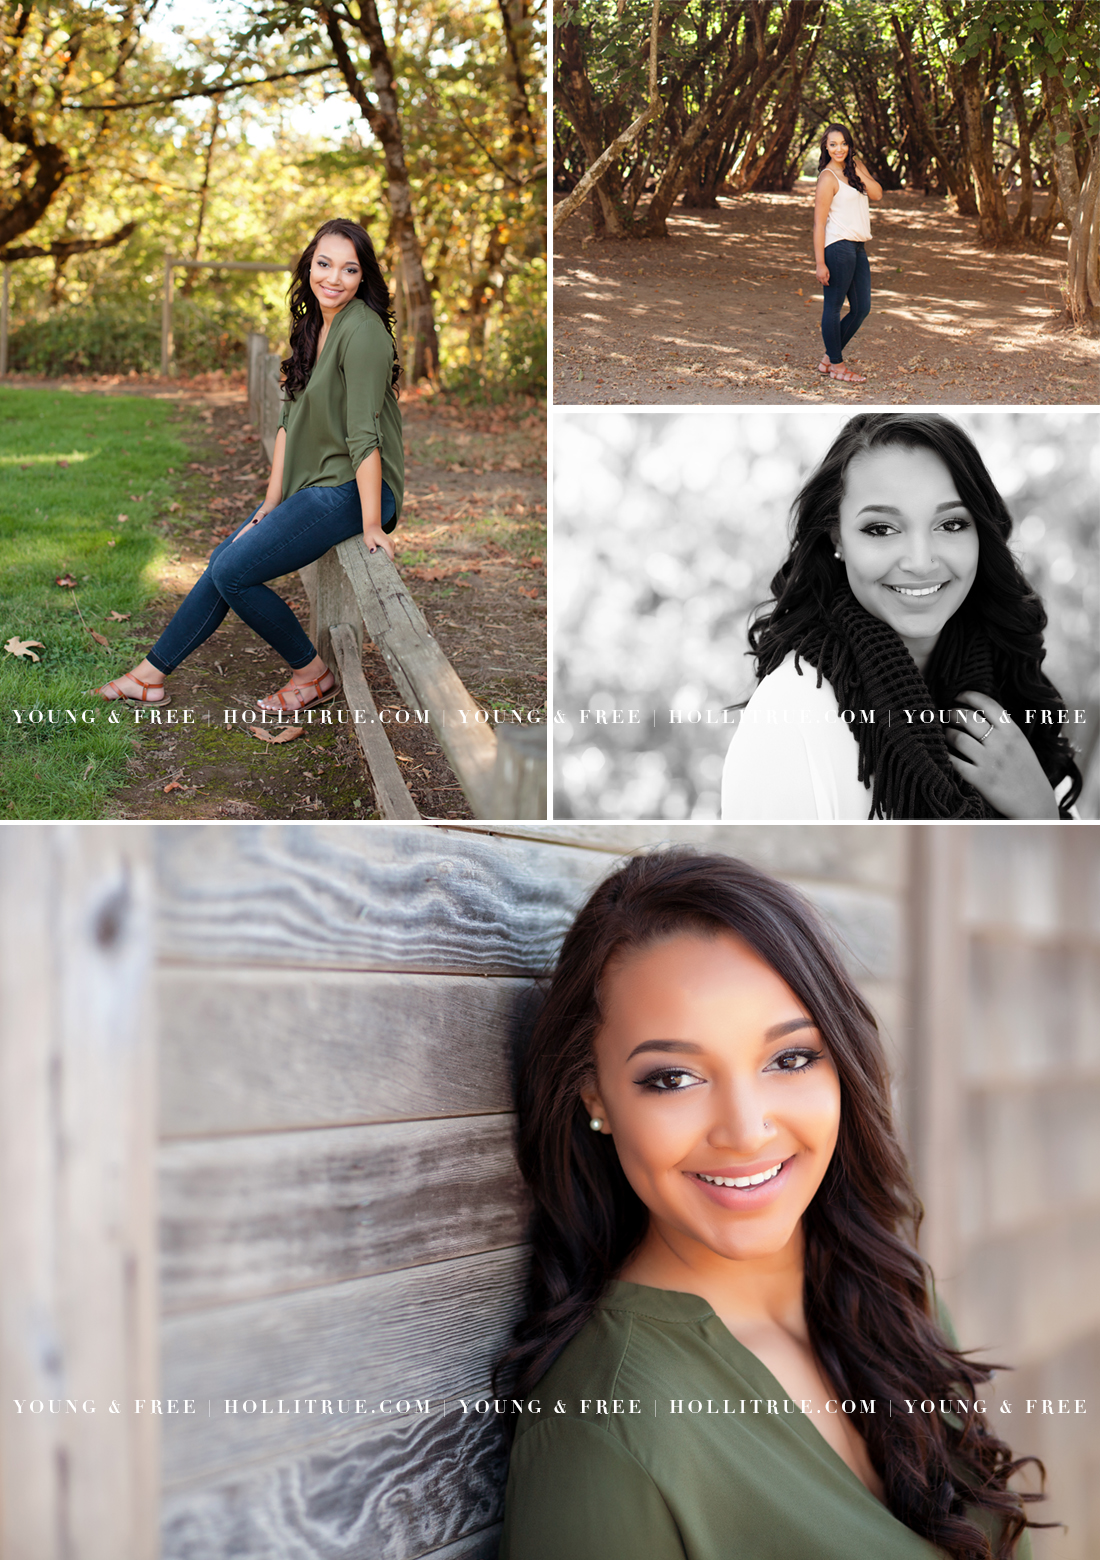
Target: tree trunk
pixel 578 102
pixel 1080 202
pixel 953 169
pixel 993 223
pixel 385 122
pixel 1021 226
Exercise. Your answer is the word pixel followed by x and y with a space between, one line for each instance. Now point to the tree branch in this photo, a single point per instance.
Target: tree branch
pixel 63 248
pixel 178 97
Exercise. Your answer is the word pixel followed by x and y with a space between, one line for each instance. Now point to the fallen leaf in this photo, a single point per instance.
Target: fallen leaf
pixel 172 507
pixel 100 639
pixel 525 592
pixel 66 580
pixel 173 785
pixel 117 617
pixel 112 542
pixel 121 518
pixel 63 463
pixel 23 647
pixel 287 734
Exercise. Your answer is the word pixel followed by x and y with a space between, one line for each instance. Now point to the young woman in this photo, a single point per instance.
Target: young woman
pixel 338 471
pixel 842 226
pixel 726 1311
pixel 901 660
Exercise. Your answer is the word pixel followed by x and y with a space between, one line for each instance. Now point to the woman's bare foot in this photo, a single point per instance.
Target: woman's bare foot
pixel 144 685
pixel 312 684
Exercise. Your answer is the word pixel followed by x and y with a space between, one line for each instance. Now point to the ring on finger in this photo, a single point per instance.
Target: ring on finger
pixel 988 729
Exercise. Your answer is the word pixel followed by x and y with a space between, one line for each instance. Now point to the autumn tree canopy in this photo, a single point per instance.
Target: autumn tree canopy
pixel 117 146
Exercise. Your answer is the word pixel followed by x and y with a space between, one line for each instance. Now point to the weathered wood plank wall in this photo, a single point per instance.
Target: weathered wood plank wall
pixel 340 1215
pixel 1007 1125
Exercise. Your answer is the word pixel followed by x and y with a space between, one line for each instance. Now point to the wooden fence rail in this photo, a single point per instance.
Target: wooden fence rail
pixel 500 767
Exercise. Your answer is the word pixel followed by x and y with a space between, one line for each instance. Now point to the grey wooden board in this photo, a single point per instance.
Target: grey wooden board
pixel 390 792
pixel 428 1332
pixel 260 1050
pixel 390 1491
pixel 842 853
pixel 248 1216
pixel 393 897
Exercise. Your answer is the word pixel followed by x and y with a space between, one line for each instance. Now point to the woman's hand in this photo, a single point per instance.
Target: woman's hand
pixel 990 751
pixel 265 509
pixel 374 536
pixel 822 272
pixel 871 184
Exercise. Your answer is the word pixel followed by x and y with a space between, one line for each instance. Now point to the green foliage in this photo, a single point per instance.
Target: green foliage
pixel 115 336
pixel 63 520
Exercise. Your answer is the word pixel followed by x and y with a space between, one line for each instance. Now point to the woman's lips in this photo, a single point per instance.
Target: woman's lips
pixel 774 1179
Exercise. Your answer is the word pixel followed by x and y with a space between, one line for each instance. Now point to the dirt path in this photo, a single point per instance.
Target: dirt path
pixel 727 311
pixel 471 547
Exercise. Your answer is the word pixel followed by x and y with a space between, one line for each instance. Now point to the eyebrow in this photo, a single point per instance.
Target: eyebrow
pixel 776 1032
pixel 889 509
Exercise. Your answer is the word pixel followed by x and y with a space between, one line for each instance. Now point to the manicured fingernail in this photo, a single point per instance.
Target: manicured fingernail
pixel 374 549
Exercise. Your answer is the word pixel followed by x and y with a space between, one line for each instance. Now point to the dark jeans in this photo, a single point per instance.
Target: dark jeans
pixel 299 530
pixel 849 277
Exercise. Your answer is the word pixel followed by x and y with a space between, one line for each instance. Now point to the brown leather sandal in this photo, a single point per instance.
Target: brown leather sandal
pixel 119 697
pixel 839 371
pixel 317 697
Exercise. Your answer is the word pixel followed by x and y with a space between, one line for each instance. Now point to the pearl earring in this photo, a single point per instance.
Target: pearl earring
pixel 596 1123
pixel 836 554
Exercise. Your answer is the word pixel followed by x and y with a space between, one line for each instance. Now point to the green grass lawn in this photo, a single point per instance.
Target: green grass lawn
pixel 71 465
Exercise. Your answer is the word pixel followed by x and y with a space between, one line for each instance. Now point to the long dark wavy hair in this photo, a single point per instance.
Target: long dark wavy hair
pixel 849 162
pixel 866 1290
pixel 305 311
pixel 1001 603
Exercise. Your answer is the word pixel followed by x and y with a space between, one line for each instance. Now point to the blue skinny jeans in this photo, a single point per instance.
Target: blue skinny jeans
pixel 296 532
pixel 849 277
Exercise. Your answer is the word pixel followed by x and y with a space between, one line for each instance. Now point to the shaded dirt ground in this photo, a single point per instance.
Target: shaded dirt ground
pixel 727 311
pixel 471 547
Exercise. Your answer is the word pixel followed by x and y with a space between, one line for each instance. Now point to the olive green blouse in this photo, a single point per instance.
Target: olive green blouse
pixel 346 410
pixel 731 1475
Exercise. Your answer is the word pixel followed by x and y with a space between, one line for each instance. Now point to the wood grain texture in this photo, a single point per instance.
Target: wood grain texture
pixel 249 1216
pixel 398 897
pixel 519 774
pixel 261 1050
pixel 424 677
pixel 334 603
pixel 428 1333
pixel 78 1302
pixel 426 1484
pixel 391 794
pixel 842 853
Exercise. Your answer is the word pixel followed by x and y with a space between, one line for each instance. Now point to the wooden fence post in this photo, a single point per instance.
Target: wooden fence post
pixel 78 1252
pixel 256 350
pixel 271 403
pixel 333 601
pixel 166 321
pixel 4 321
pixel 519 777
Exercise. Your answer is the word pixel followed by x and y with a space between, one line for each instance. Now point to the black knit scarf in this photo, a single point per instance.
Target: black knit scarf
pixel 904 758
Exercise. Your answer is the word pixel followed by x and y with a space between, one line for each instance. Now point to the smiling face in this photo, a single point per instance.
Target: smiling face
pixel 908 542
pixel 837 147
pixel 334 273
pixel 721 1097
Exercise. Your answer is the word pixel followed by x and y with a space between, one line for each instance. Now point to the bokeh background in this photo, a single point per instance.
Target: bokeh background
pixel 668 530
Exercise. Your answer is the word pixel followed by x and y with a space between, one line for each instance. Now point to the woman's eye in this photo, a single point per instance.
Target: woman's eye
pixel 669 1080
pixel 878 528
pixel 956 524
pixel 796 1061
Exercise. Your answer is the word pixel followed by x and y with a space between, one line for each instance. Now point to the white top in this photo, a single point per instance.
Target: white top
pixel 849 214
pixel 794 756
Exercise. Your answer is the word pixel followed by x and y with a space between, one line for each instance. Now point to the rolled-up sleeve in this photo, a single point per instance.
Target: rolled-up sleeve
pixel 366 365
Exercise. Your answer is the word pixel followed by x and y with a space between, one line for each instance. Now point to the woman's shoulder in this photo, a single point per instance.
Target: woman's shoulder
pixel 363 325
pixel 795 685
